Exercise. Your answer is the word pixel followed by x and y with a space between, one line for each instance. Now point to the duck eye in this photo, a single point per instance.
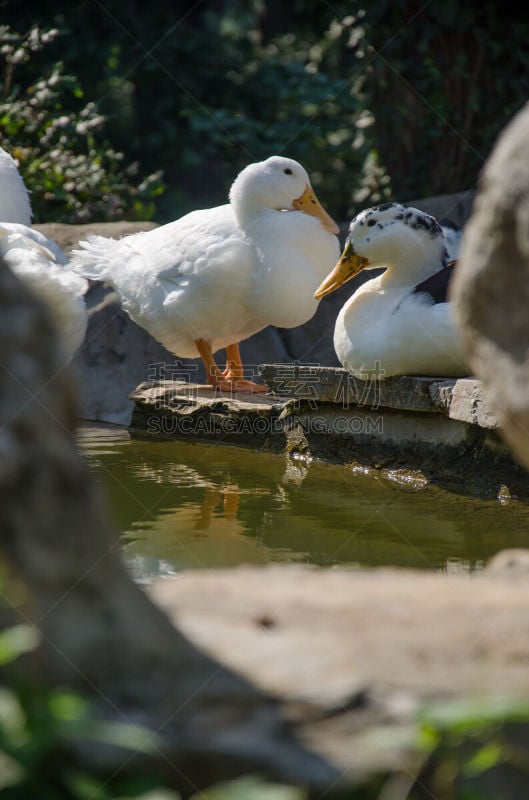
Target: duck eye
pixel 371 222
pixel 287 171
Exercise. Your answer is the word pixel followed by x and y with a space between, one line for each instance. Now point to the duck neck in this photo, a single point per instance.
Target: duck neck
pixel 411 271
pixel 252 216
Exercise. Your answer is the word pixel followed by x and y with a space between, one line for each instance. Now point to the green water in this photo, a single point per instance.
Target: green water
pixel 181 505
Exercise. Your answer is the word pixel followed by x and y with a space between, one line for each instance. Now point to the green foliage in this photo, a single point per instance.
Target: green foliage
pixel 280 97
pixel 463 743
pixel 467 741
pixel 35 724
pixel 15 641
pixel 385 98
pixel 441 79
pixel 202 92
pixel 52 131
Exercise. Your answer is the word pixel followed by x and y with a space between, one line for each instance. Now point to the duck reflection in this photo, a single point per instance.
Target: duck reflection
pixel 227 499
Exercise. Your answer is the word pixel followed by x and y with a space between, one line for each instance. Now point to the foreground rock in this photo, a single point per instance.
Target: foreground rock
pixel 96 633
pixel 491 289
pixel 355 654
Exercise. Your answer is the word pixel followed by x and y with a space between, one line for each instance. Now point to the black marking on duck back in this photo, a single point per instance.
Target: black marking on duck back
pixel 437 284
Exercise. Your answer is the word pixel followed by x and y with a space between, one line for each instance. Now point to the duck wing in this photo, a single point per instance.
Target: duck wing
pixel 436 286
pixel 186 280
pixel 202 240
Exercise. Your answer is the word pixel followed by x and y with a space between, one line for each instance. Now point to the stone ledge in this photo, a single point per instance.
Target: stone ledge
pixel 422 430
pixel 461 399
pixel 178 408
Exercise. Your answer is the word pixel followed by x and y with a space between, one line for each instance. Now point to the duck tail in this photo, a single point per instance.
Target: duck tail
pixel 96 258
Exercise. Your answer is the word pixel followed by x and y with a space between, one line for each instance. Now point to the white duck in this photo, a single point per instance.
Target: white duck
pixel 59 289
pixel 219 275
pixel 38 261
pixel 14 197
pixel 399 323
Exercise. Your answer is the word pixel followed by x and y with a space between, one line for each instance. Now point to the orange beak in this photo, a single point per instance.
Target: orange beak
pixel 309 204
pixel 349 265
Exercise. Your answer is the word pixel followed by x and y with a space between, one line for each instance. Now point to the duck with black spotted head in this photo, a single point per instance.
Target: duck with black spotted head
pixel 400 322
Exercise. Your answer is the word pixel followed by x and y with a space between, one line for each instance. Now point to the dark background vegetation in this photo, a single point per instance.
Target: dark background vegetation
pixel 398 98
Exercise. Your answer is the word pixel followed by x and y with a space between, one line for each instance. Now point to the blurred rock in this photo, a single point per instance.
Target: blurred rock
pixel 510 563
pixel 491 288
pixel 96 631
pixel 362 649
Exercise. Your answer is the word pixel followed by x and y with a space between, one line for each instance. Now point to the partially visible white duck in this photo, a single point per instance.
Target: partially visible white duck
pixel 38 261
pixel 219 275
pixel 60 290
pixel 400 322
pixel 57 256
pixel 15 205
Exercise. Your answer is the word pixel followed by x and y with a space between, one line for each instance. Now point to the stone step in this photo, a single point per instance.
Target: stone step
pixel 460 399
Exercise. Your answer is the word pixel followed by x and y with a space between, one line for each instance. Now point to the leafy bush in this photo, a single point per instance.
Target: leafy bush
pixel 282 97
pixel 441 79
pixel 477 749
pixel 35 724
pixel 258 92
pixel 386 98
pixel 47 126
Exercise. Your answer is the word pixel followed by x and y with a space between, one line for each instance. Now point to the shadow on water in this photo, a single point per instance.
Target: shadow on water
pixel 187 505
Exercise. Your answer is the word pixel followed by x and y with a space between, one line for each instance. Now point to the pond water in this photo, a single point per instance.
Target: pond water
pixel 182 505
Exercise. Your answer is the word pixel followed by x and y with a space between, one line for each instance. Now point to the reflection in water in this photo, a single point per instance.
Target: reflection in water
pixel 187 505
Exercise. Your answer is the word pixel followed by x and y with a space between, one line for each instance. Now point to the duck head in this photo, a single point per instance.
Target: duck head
pixel 278 183
pixel 404 240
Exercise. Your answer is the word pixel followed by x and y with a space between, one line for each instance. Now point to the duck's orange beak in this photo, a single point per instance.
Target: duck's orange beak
pixel 349 265
pixel 309 204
